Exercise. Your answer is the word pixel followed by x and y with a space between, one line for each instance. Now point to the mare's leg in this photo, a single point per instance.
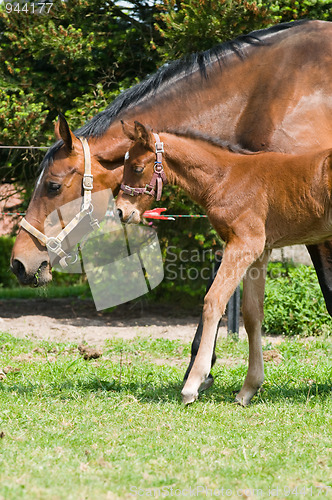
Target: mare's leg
pixel 238 256
pixel 252 310
pixel 321 256
pixel 198 335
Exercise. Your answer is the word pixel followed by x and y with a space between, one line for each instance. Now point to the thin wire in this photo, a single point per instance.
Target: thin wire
pixel 194 215
pixel 12 213
pixel 146 217
pixel 23 147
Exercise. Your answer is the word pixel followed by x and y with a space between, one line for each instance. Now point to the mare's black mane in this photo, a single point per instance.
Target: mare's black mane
pixel 168 74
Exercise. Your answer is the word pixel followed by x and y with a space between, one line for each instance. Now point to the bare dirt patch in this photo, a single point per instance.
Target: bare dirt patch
pixel 89 352
pixel 272 355
pixel 75 320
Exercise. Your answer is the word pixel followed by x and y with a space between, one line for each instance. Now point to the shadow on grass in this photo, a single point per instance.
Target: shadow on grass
pixel 146 392
pixel 299 394
pixel 302 393
pixel 70 389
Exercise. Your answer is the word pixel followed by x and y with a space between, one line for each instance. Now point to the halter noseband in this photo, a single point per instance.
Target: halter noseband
pixel 158 179
pixel 54 243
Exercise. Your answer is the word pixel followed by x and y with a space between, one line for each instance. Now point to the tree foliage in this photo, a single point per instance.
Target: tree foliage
pixel 74 59
pixel 79 56
pixel 194 25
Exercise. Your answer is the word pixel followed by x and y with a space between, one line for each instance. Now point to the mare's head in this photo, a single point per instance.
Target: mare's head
pixel 136 194
pixel 59 183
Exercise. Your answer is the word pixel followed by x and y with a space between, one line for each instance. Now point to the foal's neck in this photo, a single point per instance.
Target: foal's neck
pixel 194 164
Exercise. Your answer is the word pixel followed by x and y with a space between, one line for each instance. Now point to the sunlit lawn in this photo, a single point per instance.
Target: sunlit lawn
pixel 115 427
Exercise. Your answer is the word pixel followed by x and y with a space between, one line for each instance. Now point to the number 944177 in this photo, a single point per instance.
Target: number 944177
pixel 29 8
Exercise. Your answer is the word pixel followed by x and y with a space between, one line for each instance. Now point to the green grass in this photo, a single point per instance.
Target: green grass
pixel 115 427
pixel 51 292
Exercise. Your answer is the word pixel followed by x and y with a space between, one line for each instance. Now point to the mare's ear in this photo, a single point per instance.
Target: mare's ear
pixel 144 136
pixel 62 131
pixel 129 130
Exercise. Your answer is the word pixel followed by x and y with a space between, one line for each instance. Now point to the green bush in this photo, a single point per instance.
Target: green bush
pixel 294 304
pixel 7 279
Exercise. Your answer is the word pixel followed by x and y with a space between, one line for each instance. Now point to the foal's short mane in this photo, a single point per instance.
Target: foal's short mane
pixel 215 141
pixel 167 76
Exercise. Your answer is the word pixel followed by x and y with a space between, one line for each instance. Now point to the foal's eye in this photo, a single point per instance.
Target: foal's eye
pixel 138 170
pixel 54 187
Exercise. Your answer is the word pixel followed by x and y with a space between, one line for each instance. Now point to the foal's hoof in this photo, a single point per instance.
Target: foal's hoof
pixel 188 397
pixel 206 384
pixel 243 400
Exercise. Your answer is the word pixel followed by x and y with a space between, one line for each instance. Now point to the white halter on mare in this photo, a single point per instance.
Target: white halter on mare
pixel 54 243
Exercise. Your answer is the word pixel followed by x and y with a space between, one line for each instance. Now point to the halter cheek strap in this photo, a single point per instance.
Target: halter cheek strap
pixel 158 179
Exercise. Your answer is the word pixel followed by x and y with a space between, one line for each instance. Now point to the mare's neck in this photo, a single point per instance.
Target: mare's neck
pixel 110 148
pixel 187 104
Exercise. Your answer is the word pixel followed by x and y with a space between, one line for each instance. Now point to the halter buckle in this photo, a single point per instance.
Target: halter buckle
pixel 149 190
pixel 90 209
pixel 54 245
pixel 159 147
pixel 94 223
pixel 68 260
pixel 158 167
pixel 88 182
pixel 129 190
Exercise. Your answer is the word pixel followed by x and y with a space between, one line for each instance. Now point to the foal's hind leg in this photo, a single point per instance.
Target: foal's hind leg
pixel 238 256
pixel 252 309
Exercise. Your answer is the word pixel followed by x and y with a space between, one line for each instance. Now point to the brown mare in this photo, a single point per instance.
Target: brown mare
pixel 256 202
pixel 270 90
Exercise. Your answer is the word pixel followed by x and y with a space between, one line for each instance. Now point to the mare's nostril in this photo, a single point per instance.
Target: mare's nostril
pixel 120 213
pixel 30 274
pixel 18 268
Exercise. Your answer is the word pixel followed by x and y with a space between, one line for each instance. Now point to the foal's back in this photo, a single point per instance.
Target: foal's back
pixel 291 193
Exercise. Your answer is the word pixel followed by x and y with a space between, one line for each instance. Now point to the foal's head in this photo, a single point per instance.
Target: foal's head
pixel 140 168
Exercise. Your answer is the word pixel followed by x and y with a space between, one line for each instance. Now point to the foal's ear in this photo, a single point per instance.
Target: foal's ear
pixel 144 136
pixel 138 132
pixel 62 131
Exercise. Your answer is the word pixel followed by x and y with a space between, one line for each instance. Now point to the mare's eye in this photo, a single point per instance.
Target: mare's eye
pixel 138 170
pixel 54 187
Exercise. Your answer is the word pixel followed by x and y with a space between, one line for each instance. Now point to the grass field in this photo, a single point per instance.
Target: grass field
pixel 50 292
pixel 115 427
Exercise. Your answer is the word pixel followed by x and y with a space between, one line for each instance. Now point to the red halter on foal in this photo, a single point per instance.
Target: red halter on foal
pixel 158 179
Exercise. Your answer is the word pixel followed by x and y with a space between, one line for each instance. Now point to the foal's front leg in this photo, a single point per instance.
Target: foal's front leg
pixel 198 337
pixel 238 256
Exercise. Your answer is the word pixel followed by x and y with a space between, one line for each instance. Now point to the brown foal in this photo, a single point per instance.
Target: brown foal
pixel 256 202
